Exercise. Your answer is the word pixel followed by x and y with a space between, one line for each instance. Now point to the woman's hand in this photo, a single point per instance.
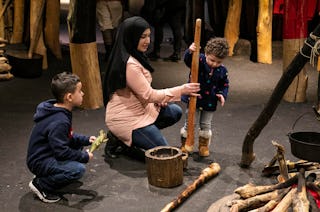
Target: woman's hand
pixel 191 89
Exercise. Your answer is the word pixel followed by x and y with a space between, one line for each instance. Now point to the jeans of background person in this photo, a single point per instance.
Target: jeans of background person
pixel 174 19
pixel 109 14
pixel 205 118
pixel 150 136
pixel 60 174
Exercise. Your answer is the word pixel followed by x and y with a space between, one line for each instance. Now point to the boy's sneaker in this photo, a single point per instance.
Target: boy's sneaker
pixel 43 195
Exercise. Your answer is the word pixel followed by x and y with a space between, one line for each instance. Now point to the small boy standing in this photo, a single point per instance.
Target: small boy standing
pixel 55 153
pixel 214 85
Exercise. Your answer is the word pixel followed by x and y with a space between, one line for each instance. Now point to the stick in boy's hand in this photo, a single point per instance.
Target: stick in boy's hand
pixel 102 138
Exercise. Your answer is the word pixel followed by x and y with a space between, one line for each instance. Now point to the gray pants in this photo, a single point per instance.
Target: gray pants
pixel 203 119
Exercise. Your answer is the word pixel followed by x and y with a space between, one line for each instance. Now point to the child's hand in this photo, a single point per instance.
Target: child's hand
pixel 92 139
pixel 90 154
pixel 221 99
pixel 192 48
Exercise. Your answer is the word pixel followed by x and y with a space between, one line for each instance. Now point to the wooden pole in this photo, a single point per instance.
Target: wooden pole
pixel 52 27
pixel 18 21
pixel 193 78
pixel 287 77
pixel 83 50
pixel 36 31
pixel 231 31
pixel 264 31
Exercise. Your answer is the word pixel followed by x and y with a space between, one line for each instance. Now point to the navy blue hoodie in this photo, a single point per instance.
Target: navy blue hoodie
pixel 52 138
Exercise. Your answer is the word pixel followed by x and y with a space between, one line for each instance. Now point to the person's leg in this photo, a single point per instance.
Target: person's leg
pixel 158 37
pixel 176 26
pixel 184 130
pixel 116 11
pixel 105 24
pixel 205 133
pixel 54 177
pixel 148 137
pixel 60 174
pixel 168 116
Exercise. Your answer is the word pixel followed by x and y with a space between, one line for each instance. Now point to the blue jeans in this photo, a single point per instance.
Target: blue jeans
pixel 60 174
pixel 150 136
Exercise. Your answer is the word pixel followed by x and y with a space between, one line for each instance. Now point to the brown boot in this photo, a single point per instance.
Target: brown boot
pixel 204 142
pixel 183 134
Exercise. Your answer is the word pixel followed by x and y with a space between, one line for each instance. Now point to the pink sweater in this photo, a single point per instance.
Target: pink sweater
pixel 135 106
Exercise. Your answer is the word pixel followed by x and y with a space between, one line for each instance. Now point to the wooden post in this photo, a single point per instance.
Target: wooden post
pixel 295 31
pixel 264 31
pixel 52 27
pixel 231 31
pixel 193 78
pixel 287 77
pixel 18 21
pixel 83 50
pixel 36 31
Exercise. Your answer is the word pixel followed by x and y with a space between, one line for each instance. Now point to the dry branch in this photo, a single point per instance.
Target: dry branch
pixel 256 201
pixel 251 190
pixel 300 202
pixel 285 203
pixel 212 170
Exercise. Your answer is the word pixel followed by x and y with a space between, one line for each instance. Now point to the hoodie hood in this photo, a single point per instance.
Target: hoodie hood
pixel 47 108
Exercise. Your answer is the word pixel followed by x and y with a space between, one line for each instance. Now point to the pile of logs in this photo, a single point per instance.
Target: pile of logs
pixel 294 190
pixel 4 65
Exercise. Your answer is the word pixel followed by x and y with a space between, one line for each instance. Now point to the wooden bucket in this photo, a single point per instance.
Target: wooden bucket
pixel 164 166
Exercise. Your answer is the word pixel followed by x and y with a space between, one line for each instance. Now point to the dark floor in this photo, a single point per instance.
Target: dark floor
pixel 122 184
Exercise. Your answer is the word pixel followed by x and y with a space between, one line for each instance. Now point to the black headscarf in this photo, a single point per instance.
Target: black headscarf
pixel 126 43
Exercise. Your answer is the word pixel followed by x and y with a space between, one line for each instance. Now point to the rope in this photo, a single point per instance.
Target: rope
pixel 314 49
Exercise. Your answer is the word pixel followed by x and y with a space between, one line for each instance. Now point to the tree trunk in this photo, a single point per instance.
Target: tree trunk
pixel 52 27
pixel 83 50
pixel 18 21
pixel 295 31
pixel 264 31
pixel 36 31
pixel 287 77
pixel 232 28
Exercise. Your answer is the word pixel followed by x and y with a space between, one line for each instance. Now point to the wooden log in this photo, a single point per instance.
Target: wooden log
pixel 193 78
pixel 52 27
pixel 291 166
pixel 272 203
pixel 297 90
pixel 232 27
pixel 85 64
pixel 291 71
pixel 2 34
pixel 83 50
pixel 164 166
pixel 206 174
pixel 295 30
pixel 264 31
pixel 300 202
pixel 285 203
pixel 256 201
pixel 251 190
pixel 282 162
pixel 18 21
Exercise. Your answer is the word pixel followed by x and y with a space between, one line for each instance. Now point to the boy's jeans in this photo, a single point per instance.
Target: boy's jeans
pixel 150 136
pixel 60 174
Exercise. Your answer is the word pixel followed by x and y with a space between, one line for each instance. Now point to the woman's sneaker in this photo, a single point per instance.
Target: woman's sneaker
pixel 43 195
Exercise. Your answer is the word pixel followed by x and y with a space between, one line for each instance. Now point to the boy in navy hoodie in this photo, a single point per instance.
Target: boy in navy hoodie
pixel 55 153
